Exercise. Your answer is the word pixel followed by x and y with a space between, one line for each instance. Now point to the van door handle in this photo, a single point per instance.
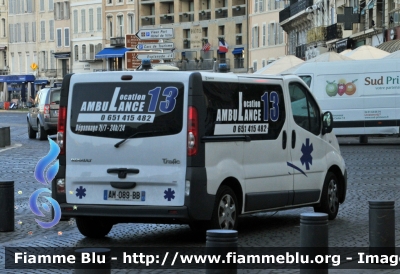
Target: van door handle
pixel 284 139
pixel 293 138
pixel 122 172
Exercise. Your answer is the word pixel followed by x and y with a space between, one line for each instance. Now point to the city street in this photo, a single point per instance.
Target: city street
pixel 373 174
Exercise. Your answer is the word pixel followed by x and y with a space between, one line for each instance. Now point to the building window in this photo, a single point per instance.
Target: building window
pixel 255 40
pixel 254 66
pixel 221 30
pixel 66 37
pixel 52 60
pixel 3 23
pixel 59 38
pixel 76 52
pixel 83 20
pixel 75 21
pixel 83 52
pixel 110 27
pixel 30 6
pixel 62 13
pixel 275 34
pixel 51 26
pixel 91 20
pixel 120 19
pixel 131 23
pixel 33 31
pixel 26 31
pixel 42 31
pixel 19 32
pixel 11 31
pixel 99 19
pixel 51 5
pixel 264 40
pixel 41 5
pixel 91 51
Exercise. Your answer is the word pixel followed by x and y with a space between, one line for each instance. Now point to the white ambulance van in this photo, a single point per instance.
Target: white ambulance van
pixel 363 95
pixel 192 148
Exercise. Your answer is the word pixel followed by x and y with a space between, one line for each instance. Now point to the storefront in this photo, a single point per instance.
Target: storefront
pixel 16 87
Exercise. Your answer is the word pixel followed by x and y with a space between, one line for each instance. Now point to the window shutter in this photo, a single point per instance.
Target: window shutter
pixel 66 37
pixel 269 34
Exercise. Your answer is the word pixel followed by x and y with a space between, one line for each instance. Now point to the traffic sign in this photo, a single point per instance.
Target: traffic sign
pixel 132 62
pixel 155 46
pixel 131 41
pixel 164 33
pixel 142 56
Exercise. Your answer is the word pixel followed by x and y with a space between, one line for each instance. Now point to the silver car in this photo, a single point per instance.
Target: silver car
pixel 43 113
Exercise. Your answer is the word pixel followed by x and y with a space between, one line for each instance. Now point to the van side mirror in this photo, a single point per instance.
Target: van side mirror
pixel 327 121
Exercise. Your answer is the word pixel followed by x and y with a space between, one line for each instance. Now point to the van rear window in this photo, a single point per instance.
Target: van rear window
pixel 122 110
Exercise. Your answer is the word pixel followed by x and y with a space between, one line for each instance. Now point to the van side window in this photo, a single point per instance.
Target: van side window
pixel 307 79
pixel 255 110
pixel 304 108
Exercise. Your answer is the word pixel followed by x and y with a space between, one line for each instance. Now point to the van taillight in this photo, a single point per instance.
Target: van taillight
pixel 46 111
pixel 193 131
pixel 62 122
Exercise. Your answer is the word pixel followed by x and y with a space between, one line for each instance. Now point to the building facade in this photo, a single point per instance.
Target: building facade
pixel 267 38
pixel 316 26
pixel 86 34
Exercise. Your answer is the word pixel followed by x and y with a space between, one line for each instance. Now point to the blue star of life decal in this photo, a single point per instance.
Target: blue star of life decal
pixel 80 192
pixel 169 194
pixel 307 149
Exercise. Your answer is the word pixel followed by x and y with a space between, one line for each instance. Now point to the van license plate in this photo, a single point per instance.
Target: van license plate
pixel 124 195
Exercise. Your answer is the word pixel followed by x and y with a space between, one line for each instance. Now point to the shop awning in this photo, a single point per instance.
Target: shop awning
pixel 41 82
pixel 237 51
pixel 17 78
pixel 390 46
pixel 111 53
pixel 62 54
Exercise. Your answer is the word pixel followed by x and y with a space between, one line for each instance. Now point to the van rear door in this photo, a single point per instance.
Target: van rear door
pixel 126 139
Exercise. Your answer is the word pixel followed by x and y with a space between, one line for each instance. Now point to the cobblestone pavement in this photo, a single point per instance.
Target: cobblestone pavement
pixel 373 174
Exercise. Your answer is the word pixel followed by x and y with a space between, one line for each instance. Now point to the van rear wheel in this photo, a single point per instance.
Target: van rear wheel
pixel 42 134
pixel 329 203
pixel 93 227
pixel 225 214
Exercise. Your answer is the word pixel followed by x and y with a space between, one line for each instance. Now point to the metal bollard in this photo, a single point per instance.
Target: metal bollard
pixel 220 242
pixel 100 261
pixel 7 138
pixel 2 137
pixel 7 206
pixel 381 228
pixel 314 240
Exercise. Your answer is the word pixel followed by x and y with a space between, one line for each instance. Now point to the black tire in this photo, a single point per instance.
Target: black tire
pixel 225 214
pixel 93 227
pixel 31 131
pixel 329 203
pixel 42 134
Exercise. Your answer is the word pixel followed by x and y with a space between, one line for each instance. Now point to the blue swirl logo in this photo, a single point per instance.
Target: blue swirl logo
pixel 45 171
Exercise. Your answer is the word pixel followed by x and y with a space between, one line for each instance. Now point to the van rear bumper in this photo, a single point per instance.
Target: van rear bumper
pixel 177 214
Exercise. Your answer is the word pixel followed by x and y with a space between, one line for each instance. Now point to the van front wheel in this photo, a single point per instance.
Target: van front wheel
pixel 330 197
pixel 225 214
pixel 93 227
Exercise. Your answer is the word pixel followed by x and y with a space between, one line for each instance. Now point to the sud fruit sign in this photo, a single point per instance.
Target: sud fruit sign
pixel 342 87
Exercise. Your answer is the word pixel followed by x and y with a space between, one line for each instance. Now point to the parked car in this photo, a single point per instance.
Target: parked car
pixel 43 113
